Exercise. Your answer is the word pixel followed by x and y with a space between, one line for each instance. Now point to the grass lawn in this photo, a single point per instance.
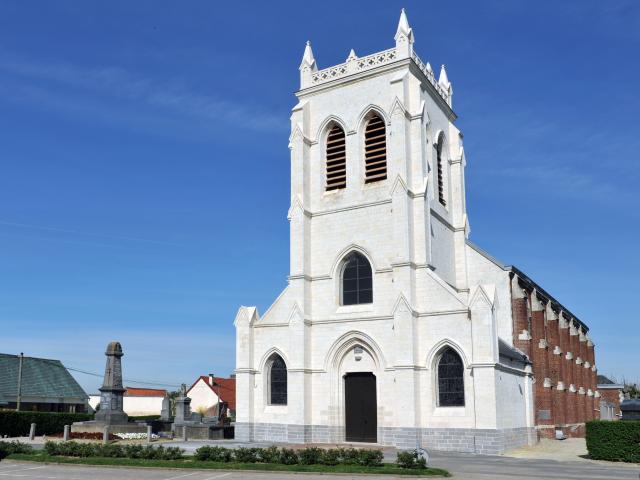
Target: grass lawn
pixel 268 467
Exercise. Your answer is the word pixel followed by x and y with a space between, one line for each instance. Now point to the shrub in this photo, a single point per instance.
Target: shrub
pixel 214 454
pixel 269 455
pixel 15 447
pixel 411 459
pixel 172 453
pixel 75 449
pixel 615 441
pixel 349 456
pixel 16 424
pixel 246 455
pixel 370 458
pixel 331 456
pixel 310 456
pixel 288 456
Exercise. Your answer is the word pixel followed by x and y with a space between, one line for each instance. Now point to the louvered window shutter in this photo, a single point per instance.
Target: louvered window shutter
pixel 375 150
pixel 336 159
pixel 440 176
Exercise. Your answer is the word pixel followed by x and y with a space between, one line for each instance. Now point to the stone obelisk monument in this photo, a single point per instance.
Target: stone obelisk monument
pixel 112 391
pixel 111 414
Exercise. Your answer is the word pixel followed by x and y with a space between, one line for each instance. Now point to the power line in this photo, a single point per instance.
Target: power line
pixel 129 380
pixel 57 363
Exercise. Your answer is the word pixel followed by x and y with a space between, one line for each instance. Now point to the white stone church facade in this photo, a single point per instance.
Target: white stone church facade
pixel 394 329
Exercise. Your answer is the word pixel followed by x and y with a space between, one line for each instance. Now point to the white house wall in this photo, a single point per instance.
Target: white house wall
pixel 202 397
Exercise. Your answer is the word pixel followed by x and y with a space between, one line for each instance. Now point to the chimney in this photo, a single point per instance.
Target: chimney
pixel 211 379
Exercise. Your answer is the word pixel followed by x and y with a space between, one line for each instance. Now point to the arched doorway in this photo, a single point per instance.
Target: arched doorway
pixel 361 407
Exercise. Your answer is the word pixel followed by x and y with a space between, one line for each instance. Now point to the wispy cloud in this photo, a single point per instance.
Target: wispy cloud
pixel 565 158
pixel 80 233
pixel 92 91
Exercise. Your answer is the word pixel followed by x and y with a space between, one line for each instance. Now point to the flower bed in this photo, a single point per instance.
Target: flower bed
pixel 136 436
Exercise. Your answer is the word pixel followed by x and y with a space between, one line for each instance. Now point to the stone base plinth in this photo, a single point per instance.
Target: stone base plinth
pixel 199 432
pixel 469 440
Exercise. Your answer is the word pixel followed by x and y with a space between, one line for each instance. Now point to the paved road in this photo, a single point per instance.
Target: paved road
pixel 467 467
pixel 485 467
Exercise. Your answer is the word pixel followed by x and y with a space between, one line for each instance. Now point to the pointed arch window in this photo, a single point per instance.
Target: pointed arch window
pixel 440 171
pixel 336 159
pixel 375 150
pixel 277 381
pixel 450 379
pixel 357 280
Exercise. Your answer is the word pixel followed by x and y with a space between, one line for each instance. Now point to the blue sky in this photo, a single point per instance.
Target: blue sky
pixel 144 178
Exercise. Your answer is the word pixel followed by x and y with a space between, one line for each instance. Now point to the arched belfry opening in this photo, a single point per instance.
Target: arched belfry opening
pixel 336 159
pixel 375 149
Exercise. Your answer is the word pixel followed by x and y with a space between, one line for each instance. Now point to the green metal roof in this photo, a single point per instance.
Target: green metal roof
pixel 41 377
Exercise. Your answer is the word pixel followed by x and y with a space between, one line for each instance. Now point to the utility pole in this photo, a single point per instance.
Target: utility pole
pixel 18 397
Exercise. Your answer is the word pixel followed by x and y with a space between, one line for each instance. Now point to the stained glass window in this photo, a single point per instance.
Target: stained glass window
pixel 278 382
pixel 450 380
pixel 357 282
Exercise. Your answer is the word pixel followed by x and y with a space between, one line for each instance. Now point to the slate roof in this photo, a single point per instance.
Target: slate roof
pixel 605 383
pixel 507 351
pixel 41 377
pixel 602 380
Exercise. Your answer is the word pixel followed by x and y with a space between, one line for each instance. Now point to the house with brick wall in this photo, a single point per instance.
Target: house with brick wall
pixel 611 396
pixel 394 327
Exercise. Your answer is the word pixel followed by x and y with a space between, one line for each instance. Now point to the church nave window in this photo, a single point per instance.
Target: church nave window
pixel 336 159
pixel 450 379
pixel 357 280
pixel 375 150
pixel 277 381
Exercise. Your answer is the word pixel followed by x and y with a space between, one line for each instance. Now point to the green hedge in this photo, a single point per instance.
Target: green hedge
pixel 18 424
pixel 9 448
pixel 617 441
pixel 144 418
pixel 75 449
pixel 287 456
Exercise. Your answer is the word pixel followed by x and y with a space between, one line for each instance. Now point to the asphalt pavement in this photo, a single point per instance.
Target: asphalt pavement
pixel 462 466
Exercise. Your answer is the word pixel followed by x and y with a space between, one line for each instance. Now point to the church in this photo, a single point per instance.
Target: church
pixel 394 328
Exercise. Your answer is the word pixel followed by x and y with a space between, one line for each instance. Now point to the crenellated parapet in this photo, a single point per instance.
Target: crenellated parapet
pixel 310 76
